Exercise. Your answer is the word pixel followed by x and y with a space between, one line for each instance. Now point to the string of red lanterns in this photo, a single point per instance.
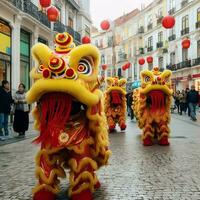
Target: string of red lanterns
pixel 104 66
pixel 141 61
pixel 149 59
pixel 52 11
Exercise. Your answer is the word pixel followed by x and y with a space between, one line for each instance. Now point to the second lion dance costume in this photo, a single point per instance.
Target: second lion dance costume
pixel 70 117
pixel 151 105
pixel 115 103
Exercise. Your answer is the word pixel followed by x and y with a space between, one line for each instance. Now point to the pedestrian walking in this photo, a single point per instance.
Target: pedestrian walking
pixel 183 102
pixel 193 99
pixel 5 107
pixel 177 100
pixel 187 104
pixel 130 101
pixel 21 113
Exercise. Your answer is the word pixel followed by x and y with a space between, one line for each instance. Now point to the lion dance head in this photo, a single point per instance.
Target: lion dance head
pixel 69 114
pixel 115 102
pixel 151 105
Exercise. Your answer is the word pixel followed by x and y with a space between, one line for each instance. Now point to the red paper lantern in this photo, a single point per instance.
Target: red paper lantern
pixel 105 25
pixel 168 21
pixel 128 65
pixel 86 40
pixel 45 3
pixel 104 67
pixel 141 61
pixel 124 67
pixel 186 43
pixel 149 59
pixel 52 14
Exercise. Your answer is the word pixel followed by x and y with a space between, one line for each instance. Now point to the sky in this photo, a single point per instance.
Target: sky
pixel 112 9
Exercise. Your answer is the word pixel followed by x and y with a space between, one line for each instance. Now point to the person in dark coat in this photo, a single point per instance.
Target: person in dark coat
pixel 193 99
pixel 21 114
pixel 5 107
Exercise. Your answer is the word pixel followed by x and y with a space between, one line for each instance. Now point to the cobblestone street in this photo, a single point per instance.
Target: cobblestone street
pixel 134 172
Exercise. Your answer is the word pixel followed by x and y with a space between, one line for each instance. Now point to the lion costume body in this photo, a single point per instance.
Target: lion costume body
pixel 70 117
pixel 115 103
pixel 151 105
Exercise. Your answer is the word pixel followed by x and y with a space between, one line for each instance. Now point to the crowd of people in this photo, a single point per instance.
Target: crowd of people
pixel 186 101
pixel 15 105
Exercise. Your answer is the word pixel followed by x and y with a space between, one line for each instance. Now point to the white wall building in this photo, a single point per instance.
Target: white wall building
pixel 22 24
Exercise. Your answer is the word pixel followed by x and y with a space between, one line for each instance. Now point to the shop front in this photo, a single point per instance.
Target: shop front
pixel 5 51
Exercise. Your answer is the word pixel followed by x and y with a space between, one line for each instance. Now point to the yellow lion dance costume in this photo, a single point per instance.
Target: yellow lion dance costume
pixel 70 117
pixel 115 103
pixel 151 105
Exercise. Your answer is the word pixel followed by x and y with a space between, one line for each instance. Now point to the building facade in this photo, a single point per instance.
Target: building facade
pixel 23 23
pixel 142 35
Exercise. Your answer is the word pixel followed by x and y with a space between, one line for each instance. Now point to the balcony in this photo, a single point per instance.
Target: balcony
pixel 141 30
pixel 16 3
pixel 184 3
pixel 159 20
pixel 184 64
pixel 165 50
pixel 141 50
pixel 59 27
pixel 185 31
pixel 150 26
pixel 122 57
pixel 196 62
pixel 172 37
pixel 31 9
pixel 149 48
pixel 159 44
pixel 172 11
pixel 197 24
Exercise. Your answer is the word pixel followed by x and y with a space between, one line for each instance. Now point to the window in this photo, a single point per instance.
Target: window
pixel 185 22
pixel 41 40
pixel 70 22
pixel 160 62
pixel 172 58
pixel 160 12
pixel 24 57
pixel 172 4
pixel 87 30
pixel 160 36
pixel 184 54
pixel 102 59
pixel 150 41
pixel 198 49
pixel 198 15
pixel 150 19
pixel 171 31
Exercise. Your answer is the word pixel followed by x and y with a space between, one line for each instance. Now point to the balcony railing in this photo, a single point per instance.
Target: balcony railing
pixel 141 29
pixel 184 3
pixel 159 20
pixel 172 37
pixel 172 11
pixel 185 31
pixel 149 48
pixel 28 7
pixel 149 26
pixel 165 50
pixel 141 50
pixel 59 27
pixel 184 64
pixel 159 44
pixel 197 24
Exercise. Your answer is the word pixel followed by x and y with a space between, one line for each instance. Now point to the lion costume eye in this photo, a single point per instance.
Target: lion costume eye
pixel 84 67
pixel 147 79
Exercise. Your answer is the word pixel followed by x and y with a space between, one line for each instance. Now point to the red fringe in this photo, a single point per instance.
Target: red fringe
pixel 55 112
pixel 116 97
pixel 157 101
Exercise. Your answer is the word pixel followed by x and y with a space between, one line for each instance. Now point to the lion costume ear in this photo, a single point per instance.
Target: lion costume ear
pixel 146 76
pixel 122 82
pixel 166 76
pixel 109 81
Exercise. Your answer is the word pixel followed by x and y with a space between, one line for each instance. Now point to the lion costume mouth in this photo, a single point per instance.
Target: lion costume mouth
pixel 156 100
pixel 57 111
